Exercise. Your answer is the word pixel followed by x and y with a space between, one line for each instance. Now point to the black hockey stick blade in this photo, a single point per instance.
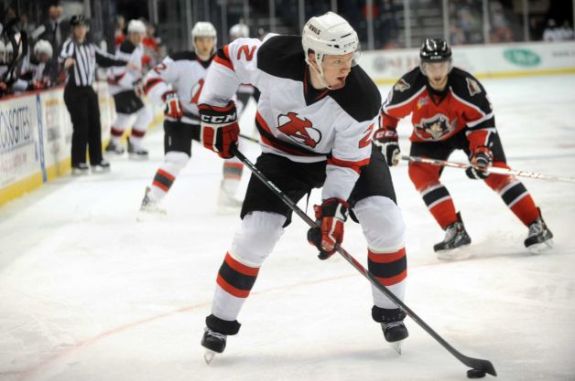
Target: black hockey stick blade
pixel 477 364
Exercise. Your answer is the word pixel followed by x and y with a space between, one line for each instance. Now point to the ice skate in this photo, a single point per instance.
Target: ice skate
pixel 214 343
pixel 391 320
pixel 102 167
pixel 455 237
pixel 136 152
pixel 115 148
pixel 539 238
pixel 81 169
pixel 150 206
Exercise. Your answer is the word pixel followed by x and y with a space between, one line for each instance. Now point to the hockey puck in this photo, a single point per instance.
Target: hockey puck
pixel 475 373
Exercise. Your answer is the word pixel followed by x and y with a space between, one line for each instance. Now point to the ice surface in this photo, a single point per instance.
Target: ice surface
pixel 87 293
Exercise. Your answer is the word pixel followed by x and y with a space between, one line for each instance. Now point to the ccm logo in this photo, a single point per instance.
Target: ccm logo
pixel 219 119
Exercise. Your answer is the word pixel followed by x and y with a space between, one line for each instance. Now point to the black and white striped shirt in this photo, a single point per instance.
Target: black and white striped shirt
pixel 87 56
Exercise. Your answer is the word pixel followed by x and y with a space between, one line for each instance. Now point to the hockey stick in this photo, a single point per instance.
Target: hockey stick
pixel 249 139
pixel 495 170
pixel 478 365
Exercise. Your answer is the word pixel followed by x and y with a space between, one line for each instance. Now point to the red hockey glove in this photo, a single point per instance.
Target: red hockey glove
pixel 387 141
pixel 480 160
pixel 331 216
pixel 220 129
pixel 173 106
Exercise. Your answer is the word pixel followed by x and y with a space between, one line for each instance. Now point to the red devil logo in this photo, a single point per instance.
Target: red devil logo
pixel 300 130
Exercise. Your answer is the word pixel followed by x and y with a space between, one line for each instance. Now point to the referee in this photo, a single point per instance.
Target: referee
pixel 80 58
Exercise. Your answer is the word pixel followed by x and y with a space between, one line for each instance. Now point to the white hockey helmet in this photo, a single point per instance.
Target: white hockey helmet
pixel 204 29
pixel 239 30
pixel 329 34
pixel 136 26
pixel 43 47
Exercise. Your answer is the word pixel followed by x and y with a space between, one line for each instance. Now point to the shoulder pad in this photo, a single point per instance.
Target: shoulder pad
pixel 467 87
pixel 360 97
pixel 407 86
pixel 282 56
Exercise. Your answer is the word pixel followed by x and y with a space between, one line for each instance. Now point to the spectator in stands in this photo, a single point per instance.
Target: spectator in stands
pixel 55 31
pixel 566 31
pixel 119 35
pixel 500 29
pixel 551 32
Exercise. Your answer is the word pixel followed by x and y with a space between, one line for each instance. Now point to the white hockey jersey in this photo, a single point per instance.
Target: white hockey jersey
pixel 124 78
pixel 295 120
pixel 184 73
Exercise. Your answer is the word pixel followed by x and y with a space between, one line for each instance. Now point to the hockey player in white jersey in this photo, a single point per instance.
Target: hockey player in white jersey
pixel 316 114
pixel 176 83
pixel 35 69
pixel 124 85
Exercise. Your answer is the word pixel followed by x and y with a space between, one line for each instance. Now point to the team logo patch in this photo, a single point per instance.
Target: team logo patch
pixel 473 87
pixel 299 130
pixel 422 102
pixel 401 86
pixel 435 128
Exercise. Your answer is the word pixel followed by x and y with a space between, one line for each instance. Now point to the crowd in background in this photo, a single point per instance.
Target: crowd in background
pixel 29 50
pixel 35 66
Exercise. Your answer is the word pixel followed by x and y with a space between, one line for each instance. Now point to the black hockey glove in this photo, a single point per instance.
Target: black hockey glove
pixel 480 160
pixel 387 141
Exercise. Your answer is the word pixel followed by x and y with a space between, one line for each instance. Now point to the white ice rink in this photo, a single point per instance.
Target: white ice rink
pixel 87 293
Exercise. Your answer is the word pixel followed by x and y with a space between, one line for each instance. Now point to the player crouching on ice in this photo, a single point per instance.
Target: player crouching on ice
pixel 450 111
pixel 316 114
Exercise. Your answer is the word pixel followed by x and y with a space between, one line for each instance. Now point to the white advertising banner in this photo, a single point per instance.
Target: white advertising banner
pixel 501 60
pixel 20 142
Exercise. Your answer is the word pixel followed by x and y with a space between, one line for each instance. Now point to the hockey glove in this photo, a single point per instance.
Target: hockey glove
pixel 480 160
pixel 173 106
pixel 331 216
pixel 220 129
pixel 387 141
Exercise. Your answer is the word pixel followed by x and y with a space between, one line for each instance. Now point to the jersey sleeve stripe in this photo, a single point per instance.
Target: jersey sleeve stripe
pixel 223 58
pixel 355 165
pixel 151 83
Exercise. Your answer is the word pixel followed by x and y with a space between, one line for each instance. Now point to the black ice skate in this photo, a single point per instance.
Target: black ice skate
pixel 215 334
pixel 151 206
pixel 391 320
pixel 136 152
pixel 101 167
pixel 114 148
pixel 539 237
pixel 455 236
pixel 80 169
pixel 214 342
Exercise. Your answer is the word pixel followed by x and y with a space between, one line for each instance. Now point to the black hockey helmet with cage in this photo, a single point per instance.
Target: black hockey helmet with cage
pixel 435 50
pixel 78 20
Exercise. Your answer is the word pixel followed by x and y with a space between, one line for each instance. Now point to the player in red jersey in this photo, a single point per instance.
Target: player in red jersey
pixel 451 111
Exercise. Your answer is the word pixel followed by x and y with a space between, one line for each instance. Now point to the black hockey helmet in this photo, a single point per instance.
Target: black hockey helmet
pixel 435 50
pixel 78 20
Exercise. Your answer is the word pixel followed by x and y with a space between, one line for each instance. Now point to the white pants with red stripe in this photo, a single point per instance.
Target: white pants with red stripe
pixel 382 226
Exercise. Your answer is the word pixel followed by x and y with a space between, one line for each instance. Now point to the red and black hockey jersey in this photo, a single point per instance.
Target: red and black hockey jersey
pixel 295 120
pixel 436 115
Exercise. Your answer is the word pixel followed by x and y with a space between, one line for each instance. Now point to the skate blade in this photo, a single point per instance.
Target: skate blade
pixel 397 346
pixel 541 247
pixel 456 254
pixel 151 215
pixel 209 356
